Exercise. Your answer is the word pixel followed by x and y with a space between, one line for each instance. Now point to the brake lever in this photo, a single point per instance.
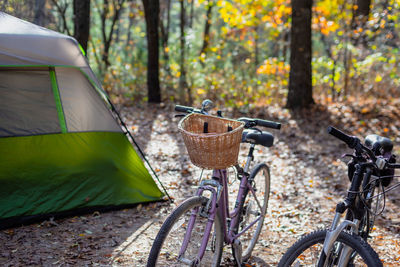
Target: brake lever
pixel 348 155
pixel 179 115
pixel 255 129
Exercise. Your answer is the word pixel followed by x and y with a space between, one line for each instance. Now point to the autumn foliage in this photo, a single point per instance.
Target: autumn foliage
pixel 243 59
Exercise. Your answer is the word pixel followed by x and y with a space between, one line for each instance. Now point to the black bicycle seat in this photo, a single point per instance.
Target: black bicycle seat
pixel 378 144
pixel 259 138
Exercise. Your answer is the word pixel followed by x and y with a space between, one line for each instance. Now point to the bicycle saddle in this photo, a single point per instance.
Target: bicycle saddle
pixel 260 138
pixel 378 144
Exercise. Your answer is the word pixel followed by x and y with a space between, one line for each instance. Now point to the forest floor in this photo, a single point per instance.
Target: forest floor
pixel 308 179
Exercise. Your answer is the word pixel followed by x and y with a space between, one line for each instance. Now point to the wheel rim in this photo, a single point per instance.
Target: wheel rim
pixel 171 246
pixel 310 256
pixel 254 209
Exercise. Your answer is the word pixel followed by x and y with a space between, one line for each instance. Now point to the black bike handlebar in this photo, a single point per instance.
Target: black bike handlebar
pixel 185 109
pixel 392 165
pixel 249 121
pixel 259 122
pixel 268 124
pixel 351 141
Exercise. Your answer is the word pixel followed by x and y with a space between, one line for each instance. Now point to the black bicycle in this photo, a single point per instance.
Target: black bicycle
pixel 370 170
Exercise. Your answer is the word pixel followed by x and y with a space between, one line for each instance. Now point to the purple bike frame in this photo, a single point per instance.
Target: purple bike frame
pixel 220 196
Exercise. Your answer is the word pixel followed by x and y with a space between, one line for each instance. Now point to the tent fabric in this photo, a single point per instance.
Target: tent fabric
pixel 27 104
pixel 61 147
pixel 86 169
pixel 24 43
pixel 83 109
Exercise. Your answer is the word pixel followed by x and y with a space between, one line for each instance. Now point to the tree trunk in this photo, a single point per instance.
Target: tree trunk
pixel 191 18
pixel 151 13
pixel 359 20
pixel 62 9
pixel 256 48
pixel 182 77
pixel 300 81
pixel 285 48
pixel 39 12
pixel 363 8
pixel 207 26
pixel 82 22
pixel 108 36
pixel 347 61
pixel 164 29
pixel 3 4
pixel 129 32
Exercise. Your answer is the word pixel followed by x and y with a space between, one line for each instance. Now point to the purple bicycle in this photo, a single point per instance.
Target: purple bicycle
pixel 196 231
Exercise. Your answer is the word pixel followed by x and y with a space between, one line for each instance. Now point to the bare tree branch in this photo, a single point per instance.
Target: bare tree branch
pixel 62 9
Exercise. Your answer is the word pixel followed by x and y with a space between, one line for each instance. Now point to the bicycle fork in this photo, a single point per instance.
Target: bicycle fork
pixel 331 237
pixel 209 211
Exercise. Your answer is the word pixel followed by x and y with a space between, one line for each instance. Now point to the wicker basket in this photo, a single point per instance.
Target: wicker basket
pixel 217 149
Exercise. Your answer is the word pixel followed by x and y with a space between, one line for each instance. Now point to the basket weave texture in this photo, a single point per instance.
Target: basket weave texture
pixel 217 149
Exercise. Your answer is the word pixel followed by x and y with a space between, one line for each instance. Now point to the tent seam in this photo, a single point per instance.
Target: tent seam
pixel 57 98
pixel 101 91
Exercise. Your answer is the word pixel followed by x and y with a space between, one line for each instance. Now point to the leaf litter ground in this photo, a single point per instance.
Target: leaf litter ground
pixel 308 179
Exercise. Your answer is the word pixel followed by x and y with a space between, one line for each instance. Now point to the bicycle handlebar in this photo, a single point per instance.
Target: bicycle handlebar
pixel 259 122
pixel 351 141
pixel 392 165
pixel 185 109
pixel 248 121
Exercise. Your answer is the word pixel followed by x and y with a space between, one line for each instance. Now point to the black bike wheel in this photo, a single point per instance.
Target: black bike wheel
pixel 307 250
pixel 254 206
pixel 168 242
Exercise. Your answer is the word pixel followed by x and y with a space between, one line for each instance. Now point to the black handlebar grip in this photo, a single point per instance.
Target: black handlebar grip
pixel 349 140
pixel 258 122
pixel 268 124
pixel 185 109
pixel 393 166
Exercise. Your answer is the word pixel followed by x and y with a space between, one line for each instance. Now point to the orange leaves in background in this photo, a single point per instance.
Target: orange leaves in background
pixel 321 22
pixel 278 14
pixel 248 13
pixel 272 66
pixel 241 14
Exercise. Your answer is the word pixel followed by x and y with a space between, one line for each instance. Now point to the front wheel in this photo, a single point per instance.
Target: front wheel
pixel 253 208
pixel 307 250
pixel 168 242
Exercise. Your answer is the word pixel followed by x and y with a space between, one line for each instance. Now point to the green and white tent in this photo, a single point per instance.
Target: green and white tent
pixel 61 147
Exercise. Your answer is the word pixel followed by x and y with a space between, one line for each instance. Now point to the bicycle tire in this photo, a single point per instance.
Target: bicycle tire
pixel 296 255
pixel 164 253
pixel 260 177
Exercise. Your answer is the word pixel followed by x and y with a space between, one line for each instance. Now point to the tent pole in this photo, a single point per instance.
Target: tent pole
pixel 138 147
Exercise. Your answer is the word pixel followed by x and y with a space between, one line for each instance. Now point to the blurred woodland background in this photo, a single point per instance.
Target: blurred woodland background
pixel 240 53
pixel 307 64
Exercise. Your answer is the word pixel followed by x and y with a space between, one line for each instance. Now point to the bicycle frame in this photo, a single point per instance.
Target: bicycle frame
pixel 218 186
pixel 352 204
pixel 352 221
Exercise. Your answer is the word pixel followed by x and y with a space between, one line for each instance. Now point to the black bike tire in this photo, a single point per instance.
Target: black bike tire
pixel 188 204
pixel 365 251
pixel 254 172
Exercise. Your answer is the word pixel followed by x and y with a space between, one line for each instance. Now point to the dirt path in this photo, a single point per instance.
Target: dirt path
pixel 307 181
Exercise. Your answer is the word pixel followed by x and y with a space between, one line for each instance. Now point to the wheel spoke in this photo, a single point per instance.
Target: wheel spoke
pixel 174 238
pixel 307 251
pixel 254 209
